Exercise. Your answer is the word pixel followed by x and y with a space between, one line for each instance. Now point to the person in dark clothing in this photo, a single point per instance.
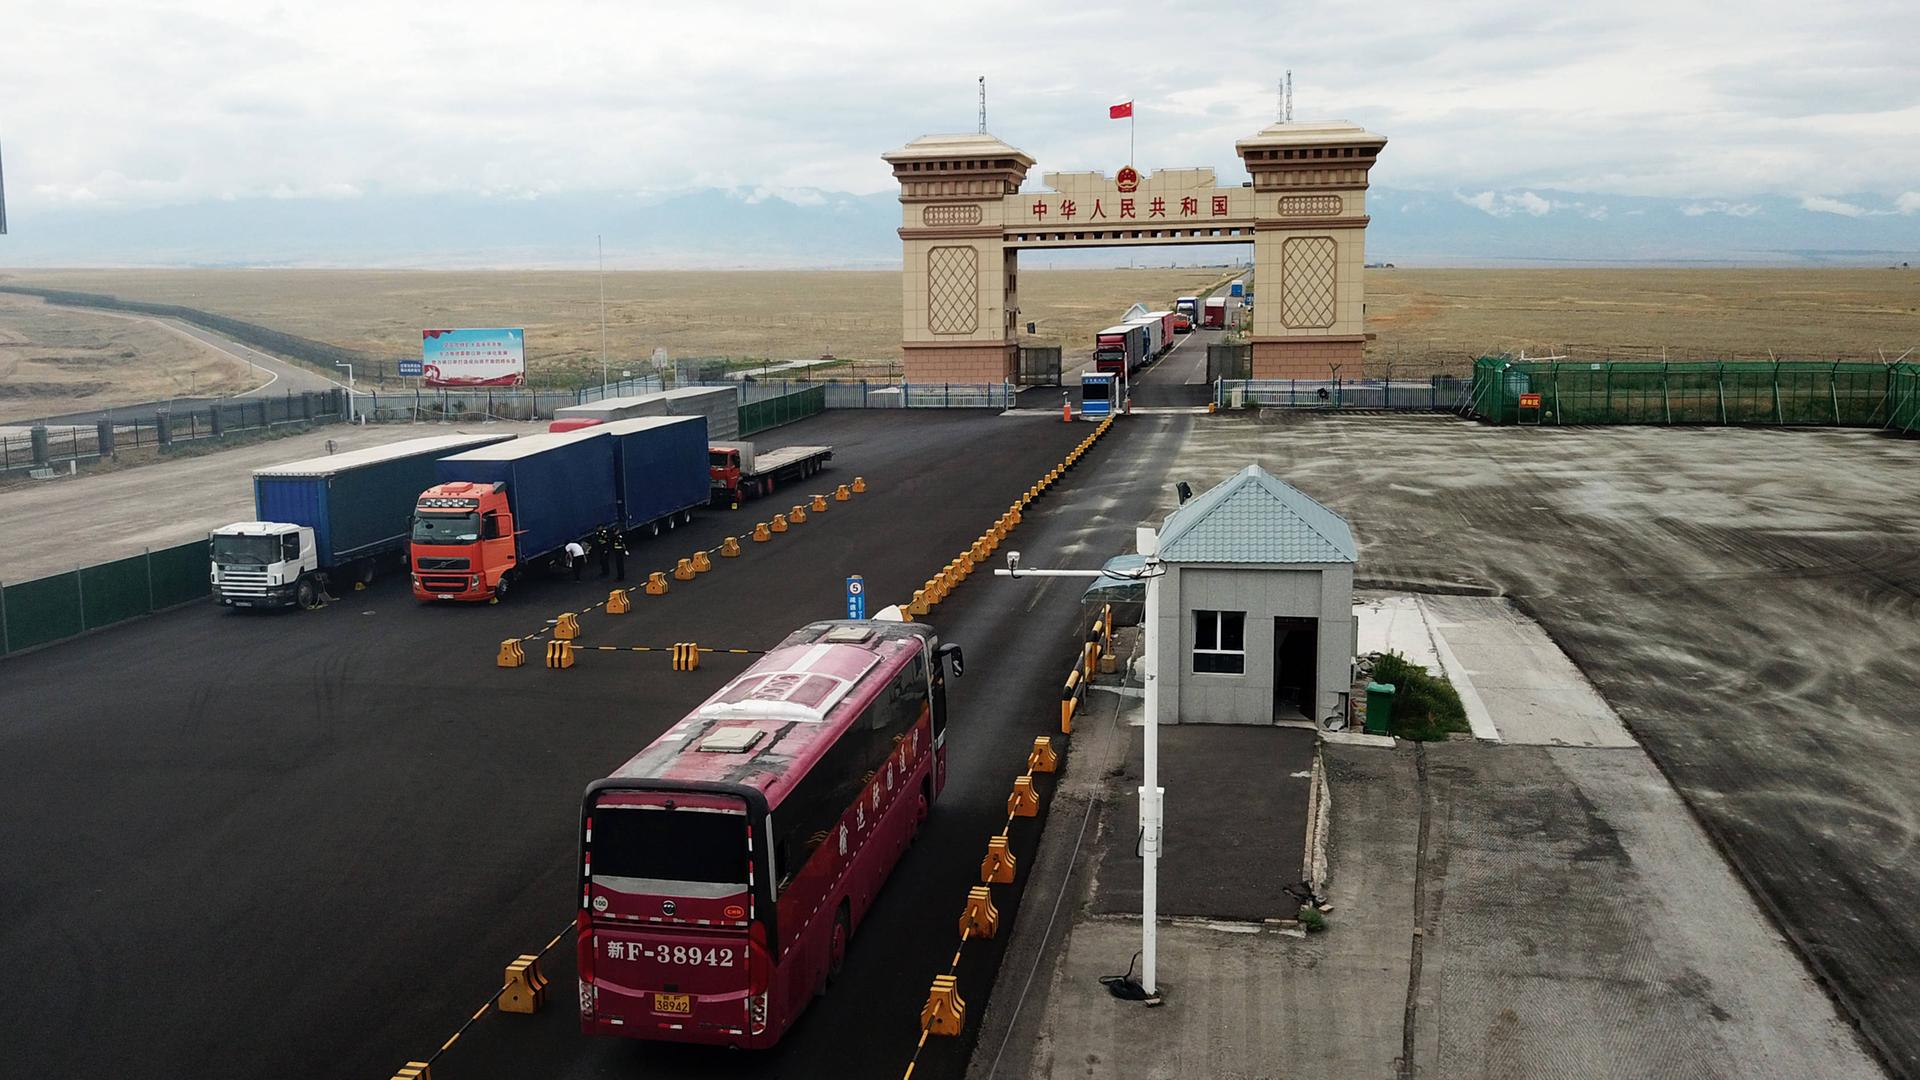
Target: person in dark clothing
pixel 619 556
pixel 603 543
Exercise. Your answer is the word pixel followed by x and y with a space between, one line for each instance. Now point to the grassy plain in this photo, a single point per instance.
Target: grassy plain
pixel 59 360
pixel 1424 320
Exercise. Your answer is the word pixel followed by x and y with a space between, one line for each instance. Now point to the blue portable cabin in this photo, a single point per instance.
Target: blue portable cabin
pixel 661 467
pixel 561 487
pixel 1097 392
pixel 1238 288
pixel 359 504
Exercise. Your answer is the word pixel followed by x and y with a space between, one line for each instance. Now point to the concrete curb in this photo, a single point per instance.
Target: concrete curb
pixel 1313 868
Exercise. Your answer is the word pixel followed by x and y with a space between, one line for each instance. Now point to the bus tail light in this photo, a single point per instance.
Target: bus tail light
pixel 757 1013
pixel 583 953
pixel 759 963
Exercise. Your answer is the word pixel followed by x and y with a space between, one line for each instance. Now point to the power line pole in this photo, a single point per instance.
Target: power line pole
pixel 603 313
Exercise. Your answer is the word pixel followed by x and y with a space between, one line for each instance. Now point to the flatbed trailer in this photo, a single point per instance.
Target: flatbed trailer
pixel 741 472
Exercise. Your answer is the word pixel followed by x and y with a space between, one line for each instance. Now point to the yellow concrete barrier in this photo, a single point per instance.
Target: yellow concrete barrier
pixel 415 1070
pixel 1069 700
pixel 981 919
pixel 511 654
pixel 997 867
pixel 683 570
pixel 567 626
pixel 525 989
pixel 686 656
pixel 919 605
pixel 760 533
pixel 701 564
pixel 819 502
pixel 841 494
pixel 1024 802
pixel 797 515
pixel 657 583
pixel 730 548
pixel 779 523
pixel 1043 758
pixel 859 485
pixel 559 654
pixel 618 603
pixel 944 1013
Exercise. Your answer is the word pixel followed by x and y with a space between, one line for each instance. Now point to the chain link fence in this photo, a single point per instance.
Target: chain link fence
pixel 1434 393
pixel 46 446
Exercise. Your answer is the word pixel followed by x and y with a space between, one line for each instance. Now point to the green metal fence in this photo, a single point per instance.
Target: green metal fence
pixel 1845 394
pixel 785 409
pixel 50 609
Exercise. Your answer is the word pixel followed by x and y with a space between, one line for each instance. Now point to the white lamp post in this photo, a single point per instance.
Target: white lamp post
pixel 1152 795
pixel 350 407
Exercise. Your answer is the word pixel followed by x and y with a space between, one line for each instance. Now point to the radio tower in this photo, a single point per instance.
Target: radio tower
pixel 1286 116
pixel 983 104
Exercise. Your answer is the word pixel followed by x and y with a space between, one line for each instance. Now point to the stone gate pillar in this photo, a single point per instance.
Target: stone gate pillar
pixel 959 282
pixel 1309 247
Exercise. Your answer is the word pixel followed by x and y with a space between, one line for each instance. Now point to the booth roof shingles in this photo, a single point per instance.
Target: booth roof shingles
pixel 1256 518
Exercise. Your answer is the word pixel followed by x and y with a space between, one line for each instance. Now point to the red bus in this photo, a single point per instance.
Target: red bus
pixel 724 868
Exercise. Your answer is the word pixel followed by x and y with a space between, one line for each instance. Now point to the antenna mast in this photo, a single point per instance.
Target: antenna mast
pixel 1287 116
pixel 983 104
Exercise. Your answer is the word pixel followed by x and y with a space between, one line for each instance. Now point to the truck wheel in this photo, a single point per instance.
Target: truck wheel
pixel 686 517
pixel 655 528
pixel 500 587
pixel 304 594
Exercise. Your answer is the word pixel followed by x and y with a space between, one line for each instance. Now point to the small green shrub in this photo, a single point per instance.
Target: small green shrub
pixel 1311 918
pixel 1426 708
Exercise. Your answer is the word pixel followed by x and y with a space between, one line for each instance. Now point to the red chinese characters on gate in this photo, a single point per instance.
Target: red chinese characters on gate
pixel 1052 207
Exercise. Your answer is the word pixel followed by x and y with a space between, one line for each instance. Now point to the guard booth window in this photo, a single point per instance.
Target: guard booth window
pixel 1220 642
pixel 1096 391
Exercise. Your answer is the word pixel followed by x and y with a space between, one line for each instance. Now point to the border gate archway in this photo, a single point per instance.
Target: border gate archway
pixel 965 220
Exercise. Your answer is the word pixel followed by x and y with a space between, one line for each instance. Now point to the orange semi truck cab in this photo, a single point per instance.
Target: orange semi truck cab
pixel 463 542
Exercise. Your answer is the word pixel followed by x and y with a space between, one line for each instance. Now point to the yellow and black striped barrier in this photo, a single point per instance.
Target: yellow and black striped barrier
pixel 686 656
pixel 511 654
pixel 560 654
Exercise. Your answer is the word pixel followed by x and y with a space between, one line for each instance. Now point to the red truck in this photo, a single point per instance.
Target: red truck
pixel 1216 313
pixel 739 473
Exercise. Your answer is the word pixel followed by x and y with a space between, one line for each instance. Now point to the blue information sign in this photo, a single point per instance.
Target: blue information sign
pixel 856 597
pixel 412 369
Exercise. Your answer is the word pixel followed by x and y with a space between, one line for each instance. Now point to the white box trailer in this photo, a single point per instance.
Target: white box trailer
pixel 1156 334
pixel 719 404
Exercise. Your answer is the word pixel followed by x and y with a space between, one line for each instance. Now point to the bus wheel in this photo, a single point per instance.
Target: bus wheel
pixel 837 945
pixel 923 807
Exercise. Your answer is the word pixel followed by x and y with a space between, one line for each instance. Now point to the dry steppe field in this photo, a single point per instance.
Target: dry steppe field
pixel 1424 320
pixel 777 315
pixel 58 360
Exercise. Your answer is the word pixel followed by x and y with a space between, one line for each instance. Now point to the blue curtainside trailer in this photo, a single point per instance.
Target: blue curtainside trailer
pixel 660 463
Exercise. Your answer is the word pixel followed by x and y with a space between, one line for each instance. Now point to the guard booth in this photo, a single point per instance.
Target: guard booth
pixel 1097 389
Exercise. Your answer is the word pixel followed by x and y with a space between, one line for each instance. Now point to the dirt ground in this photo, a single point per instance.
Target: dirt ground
pixel 49 527
pixel 1425 321
pixel 778 315
pixel 1438 320
pixel 1745 599
pixel 57 360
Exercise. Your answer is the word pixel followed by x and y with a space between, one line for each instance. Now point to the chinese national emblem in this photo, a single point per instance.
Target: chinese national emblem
pixel 1127 179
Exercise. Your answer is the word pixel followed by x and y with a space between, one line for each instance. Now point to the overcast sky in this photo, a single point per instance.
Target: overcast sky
pixel 153 103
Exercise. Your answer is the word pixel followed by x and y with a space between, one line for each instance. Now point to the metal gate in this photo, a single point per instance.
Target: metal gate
pixel 1229 362
pixel 1039 365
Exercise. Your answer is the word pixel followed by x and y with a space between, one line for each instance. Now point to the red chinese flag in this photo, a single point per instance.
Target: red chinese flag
pixel 1120 111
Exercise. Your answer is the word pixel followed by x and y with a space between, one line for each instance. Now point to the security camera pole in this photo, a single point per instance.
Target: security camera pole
pixel 1152 796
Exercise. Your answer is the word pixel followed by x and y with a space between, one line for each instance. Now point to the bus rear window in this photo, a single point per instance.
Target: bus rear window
pixel 682 852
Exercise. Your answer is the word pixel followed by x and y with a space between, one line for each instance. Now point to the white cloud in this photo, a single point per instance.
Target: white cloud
pixel 1908 203
pixel 1717 206
pixel 1502 204
pixel 1821 204
pixel 175 100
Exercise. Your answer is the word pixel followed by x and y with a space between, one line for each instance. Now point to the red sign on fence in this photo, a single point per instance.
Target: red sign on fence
pixel 1529 401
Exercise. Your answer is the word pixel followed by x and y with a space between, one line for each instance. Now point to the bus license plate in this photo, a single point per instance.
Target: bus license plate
pixel 680 1004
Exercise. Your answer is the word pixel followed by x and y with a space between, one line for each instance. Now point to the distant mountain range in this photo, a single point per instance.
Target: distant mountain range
pixel 803 229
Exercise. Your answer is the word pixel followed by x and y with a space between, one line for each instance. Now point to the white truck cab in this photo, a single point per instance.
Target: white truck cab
pixel 265 564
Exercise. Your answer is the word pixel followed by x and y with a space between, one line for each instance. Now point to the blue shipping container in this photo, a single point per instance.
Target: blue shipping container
pixel 661 463
pixel 358 504
pixel 560 487
pixel 1238 289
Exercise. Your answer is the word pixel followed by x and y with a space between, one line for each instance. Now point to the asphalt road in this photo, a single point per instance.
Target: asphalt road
pixel 306 844
pixel 280 377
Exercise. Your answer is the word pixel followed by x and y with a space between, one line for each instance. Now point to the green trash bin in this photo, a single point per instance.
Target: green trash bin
pixel 1380 708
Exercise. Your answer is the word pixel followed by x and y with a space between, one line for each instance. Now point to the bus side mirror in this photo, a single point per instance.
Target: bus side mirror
pixel 950 655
